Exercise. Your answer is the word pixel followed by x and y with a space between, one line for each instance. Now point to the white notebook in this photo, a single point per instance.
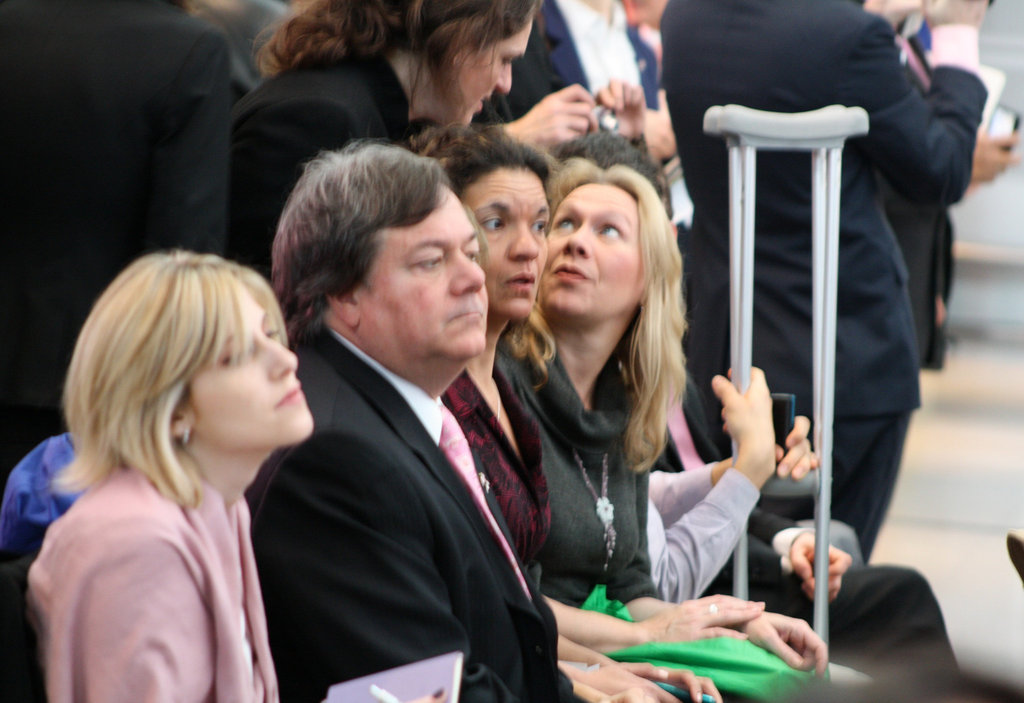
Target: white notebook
pixel 404 683
pixel 995 81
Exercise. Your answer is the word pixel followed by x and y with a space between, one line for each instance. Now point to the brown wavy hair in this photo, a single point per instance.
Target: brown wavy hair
pixel 470 152
pixel 323 32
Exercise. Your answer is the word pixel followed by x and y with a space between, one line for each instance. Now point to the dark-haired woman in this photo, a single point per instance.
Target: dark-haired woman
pixel 347 69
pixel 502 182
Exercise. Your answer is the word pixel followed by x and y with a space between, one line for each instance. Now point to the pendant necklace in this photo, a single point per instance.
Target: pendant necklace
pixel 602 505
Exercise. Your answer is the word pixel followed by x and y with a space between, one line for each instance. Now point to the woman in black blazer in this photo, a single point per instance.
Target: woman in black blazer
pixel 350 69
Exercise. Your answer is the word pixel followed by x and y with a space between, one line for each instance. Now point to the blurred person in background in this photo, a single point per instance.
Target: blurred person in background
pixel 794 56
pixel 114 137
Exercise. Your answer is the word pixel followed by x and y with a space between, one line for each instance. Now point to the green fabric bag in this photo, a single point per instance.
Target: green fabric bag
pixel 736 666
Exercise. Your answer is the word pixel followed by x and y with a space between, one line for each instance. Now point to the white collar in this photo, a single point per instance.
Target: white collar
pixel 426 408
pixel 583 20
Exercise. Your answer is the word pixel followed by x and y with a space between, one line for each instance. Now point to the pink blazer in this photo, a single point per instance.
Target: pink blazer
pixel 135 598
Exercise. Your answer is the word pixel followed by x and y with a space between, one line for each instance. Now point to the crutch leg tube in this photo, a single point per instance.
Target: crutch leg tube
pixel 823 133
pixel 742 179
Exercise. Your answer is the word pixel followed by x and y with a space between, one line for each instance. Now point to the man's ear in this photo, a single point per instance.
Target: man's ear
pixel 345 308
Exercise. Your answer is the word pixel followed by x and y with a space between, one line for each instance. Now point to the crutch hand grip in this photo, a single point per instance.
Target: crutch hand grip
pixel 826 127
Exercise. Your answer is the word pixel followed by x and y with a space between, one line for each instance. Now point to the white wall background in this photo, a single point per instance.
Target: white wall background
pixel 988 294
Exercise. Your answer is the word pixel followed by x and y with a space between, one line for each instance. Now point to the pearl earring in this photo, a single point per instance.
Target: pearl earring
pixel 185 437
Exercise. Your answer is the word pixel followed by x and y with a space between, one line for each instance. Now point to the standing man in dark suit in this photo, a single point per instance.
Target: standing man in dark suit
pixel 371 549
pixel 924 230
pixel 113 140
pixel 792 56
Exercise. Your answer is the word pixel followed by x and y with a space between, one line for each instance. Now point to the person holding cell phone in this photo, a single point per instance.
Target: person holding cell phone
pixel 923 228
pixel 995 151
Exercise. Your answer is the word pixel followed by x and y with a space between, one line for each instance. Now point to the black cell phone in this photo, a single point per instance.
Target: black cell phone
pixel 783 416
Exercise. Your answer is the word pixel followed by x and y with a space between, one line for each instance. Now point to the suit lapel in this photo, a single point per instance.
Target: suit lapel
pixel 564 58
pixel 922 83
pixel 393 409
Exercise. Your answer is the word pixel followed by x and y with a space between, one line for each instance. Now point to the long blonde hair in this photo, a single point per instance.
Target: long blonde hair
pixel 651 352
pixel 162 320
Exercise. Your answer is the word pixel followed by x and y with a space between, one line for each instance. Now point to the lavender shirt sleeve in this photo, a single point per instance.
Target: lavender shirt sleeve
pixel 693 527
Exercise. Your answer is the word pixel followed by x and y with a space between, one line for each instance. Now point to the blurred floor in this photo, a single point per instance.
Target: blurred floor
pixel 962 482
pixel 961 488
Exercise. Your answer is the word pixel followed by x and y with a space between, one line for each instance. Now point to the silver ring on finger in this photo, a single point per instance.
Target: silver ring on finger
pixel 713 609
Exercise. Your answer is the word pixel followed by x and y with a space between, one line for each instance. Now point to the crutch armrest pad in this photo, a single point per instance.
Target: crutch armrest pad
pixel 818 129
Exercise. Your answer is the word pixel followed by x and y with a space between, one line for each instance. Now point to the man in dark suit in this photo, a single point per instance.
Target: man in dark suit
pixel 113 140
pixel 792 56
pixel 371 550
pixel 924 230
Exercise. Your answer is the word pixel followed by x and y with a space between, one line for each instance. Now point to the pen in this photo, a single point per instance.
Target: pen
pixel 382 696
pixel 684 695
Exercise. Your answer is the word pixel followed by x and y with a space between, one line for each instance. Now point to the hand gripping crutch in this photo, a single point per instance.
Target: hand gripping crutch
pixel 822 132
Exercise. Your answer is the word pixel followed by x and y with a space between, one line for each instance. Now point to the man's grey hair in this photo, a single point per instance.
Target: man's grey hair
pixel 329 233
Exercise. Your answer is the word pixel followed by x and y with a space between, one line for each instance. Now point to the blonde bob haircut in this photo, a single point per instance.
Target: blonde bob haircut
pixel 162 320
pixel 650 353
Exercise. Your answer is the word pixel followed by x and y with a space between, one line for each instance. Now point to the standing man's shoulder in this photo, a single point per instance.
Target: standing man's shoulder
pixel 837 24
pixel 152 27
pixel 778 14
pixel 155 33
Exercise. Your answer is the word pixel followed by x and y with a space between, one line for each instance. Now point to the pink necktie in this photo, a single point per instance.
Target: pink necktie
pixel 680 432
pixel 454 445
pixel 914 61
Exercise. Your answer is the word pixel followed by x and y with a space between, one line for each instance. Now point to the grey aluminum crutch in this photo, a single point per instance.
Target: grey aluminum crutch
pixel 822 132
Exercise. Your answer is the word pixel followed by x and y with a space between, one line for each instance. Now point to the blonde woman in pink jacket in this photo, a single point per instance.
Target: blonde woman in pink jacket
pixel 179 387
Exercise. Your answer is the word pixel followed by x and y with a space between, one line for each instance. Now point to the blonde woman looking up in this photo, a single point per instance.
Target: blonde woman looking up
pixel 179 387
pixel 596 365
